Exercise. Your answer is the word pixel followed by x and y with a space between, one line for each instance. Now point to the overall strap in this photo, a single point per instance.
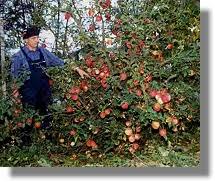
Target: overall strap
pixel 29 60
pixel 25 53
pixel 42 59
pixel 41 55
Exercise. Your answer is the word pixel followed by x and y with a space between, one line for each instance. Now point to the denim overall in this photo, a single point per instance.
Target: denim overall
pixel 36 91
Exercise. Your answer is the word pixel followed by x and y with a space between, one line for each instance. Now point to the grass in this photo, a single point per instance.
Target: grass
pixel 156 154
pixel 183 151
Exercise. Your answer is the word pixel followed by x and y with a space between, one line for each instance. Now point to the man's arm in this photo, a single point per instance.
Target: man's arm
pixel 14 71
pixel 53 60
pixel 15 66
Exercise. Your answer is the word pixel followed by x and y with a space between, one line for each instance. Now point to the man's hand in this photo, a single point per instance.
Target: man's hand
pixel 82 73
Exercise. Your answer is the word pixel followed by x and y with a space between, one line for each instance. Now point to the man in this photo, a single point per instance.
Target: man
pixel 36 91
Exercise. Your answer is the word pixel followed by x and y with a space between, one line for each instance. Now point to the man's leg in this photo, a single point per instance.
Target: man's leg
pixel 43 102
pixel 43 111
pixel 28 98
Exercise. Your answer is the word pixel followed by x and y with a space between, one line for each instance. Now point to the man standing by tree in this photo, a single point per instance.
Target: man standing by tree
pixel 36 91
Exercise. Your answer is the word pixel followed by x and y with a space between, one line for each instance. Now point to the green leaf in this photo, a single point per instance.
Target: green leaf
pixel 163 152
pixel 44 163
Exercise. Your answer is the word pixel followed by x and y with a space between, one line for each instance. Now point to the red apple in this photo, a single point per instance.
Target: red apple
pixel 20 125
pixel 136 82
pixel 84 85
pixel 162 132
pixel 99 18
pixel 135 146
pixel 118 21
pixel 37 124
pixel 97 71
pixel 123 76
pixel 130 90
pixel 132 150
pixel 91 12
pixel 139 92
pixel 82 118
pixel 158 98
pixel 72 132
pixel 104 84
pixel 128 131
pixel 17 112
pixel 74 97
pixel 174 120
pixel 128 44
pixel 166 98
pixel 108 16
pixel 137 136
pixel 131 138
pixel 89 62
pixel 157 107
pixel 155 124
pixel 67 16
pixel 102 114
pixel 107 111
pixel 141 70
pixel 112 55
pixel 29 121
pixel 124 105
pixel 69 109
pixel 105 4
pixel 61 140
pixel 148 78
pixel 91 28
pixel 91 143
pixel 102 75
pixel 128 123
pixel 85 88
pixel 169 46
pixel 141 44
pixel 153 93
pixel 138 129
pixel 74 90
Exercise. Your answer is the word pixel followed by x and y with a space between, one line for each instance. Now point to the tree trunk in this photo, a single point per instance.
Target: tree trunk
pixel 3 72
pixel 58 25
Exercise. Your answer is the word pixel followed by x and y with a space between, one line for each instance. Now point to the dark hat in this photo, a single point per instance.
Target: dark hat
pixel 30 32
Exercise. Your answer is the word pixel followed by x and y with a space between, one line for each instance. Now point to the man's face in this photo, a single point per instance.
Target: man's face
pixel 32 42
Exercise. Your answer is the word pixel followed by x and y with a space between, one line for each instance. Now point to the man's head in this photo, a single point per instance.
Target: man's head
pixel 31 37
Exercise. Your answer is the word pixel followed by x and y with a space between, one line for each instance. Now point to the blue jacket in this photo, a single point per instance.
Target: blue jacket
pixel 19 61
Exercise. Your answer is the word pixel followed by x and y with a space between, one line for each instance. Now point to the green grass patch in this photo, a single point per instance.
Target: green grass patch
pixel 181 151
